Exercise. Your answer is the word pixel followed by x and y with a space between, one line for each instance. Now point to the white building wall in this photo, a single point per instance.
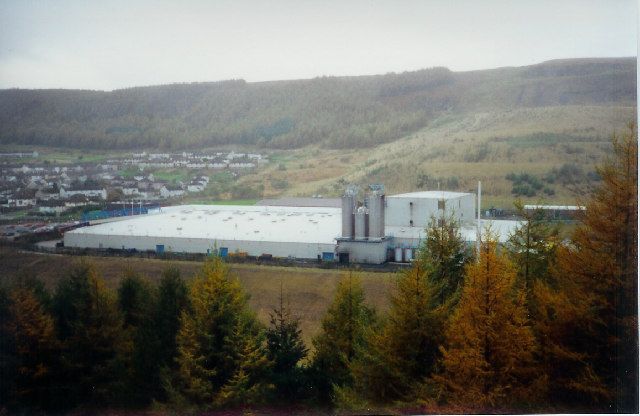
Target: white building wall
pixel 417 211
pixel 197 245
pixel 462 208
pixel 410 212
pixel 364 251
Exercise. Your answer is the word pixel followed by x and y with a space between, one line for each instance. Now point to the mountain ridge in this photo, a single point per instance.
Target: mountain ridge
pixel 332 112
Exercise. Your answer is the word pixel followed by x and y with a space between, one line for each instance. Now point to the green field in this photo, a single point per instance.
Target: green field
pixel 173 175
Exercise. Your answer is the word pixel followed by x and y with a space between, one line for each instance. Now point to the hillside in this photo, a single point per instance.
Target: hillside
pixel 331 112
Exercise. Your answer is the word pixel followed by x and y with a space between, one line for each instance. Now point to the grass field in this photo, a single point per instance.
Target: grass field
pixel 172 175
pixel 308 291
pixel 59 155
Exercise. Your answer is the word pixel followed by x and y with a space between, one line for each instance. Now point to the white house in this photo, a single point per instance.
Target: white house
pixel 130 190
pixel 24 198
pixel 196 187
pixel 47 194
pixel 82 190
pixel 170 191
pixel 52 207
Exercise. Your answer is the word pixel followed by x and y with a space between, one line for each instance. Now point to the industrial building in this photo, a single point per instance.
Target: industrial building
pixel 374 230
pixel 297 232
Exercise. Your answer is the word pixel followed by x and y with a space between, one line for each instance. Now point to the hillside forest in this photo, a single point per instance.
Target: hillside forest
pixel 330 112
pixel 538 324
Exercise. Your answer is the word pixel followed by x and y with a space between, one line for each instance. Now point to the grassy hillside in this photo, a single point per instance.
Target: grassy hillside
pixel 560 146
pixel 330 112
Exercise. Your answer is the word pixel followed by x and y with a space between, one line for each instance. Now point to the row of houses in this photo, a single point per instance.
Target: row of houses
pixel 45 187
pixel 51 192
pixel 219 160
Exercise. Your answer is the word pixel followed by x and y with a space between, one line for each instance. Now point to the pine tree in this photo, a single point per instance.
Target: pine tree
pixel 137 302
pixel 444 253
pixel 600 266
pixel 532 247
pixel 403 354
pixel 173 298
pixel 221 352
pixel 286 349
pixel 249 383
pixel 135 299
pixel 488 353
pixel 344 329
pixel 8 354
pixel 90 328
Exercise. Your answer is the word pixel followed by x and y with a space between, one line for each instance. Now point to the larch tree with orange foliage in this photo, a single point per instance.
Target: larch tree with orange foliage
pixel 600 269
pixel 36 349
pixel 488 353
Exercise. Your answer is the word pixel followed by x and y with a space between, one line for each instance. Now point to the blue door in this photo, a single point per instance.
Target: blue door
pixel 327 256
pixel 159 248
pixel 224 251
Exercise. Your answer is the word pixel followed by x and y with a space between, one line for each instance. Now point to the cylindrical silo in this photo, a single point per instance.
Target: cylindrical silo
pixel 381 223
pixel 398 255
pixel 360 220
pixel 348 204
pixel 408 254
pixel 376 214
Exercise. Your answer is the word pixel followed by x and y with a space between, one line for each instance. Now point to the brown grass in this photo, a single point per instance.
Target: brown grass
pixel 308 291
pixel 442 149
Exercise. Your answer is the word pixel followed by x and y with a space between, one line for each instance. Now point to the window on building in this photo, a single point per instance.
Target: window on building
pixel 411 223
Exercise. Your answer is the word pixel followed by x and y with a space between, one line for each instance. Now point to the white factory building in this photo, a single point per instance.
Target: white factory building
pixel 254 230
pixel 375 230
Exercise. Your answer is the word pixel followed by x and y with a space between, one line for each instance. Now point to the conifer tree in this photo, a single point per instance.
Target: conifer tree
pixel 488 352
pixel 403 354
pixel 8 355
pixel 32 330
pixel 173 298
pixel 444 254
pixel 221 352
pixel 342 339
pixel 286 349
pixel 249 383
pixel 137 302
pixel 563 327
pixel 532 247
pixel 600 266
pixel 135 299
pixel 90 328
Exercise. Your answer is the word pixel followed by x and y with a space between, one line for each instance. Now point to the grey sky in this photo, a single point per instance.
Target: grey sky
pixel 117 44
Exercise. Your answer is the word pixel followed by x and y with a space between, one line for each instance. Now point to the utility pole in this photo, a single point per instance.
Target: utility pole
pixel 479 228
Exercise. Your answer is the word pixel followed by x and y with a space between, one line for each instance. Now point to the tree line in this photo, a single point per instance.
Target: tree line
pixel 535 324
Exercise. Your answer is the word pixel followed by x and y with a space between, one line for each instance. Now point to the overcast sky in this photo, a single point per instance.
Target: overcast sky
pixel 116 44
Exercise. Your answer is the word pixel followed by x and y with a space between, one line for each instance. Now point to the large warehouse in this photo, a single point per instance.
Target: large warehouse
pixel 279 231
pixel 374 230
